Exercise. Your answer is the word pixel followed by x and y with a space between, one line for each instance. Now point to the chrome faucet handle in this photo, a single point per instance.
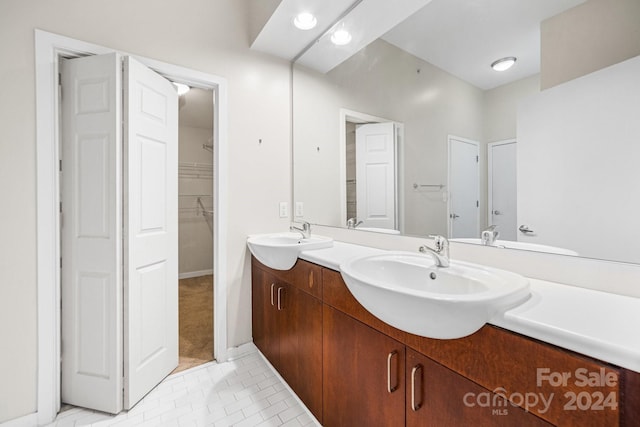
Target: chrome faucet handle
pixel 353 222
pixel 441 243
pixel 305 230
pixel 441 252
pixel 489 236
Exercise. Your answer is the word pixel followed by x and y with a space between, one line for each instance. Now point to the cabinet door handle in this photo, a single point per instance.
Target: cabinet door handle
pixel 272 286
pixel 415 406
pixel 280 298
pixel 390 389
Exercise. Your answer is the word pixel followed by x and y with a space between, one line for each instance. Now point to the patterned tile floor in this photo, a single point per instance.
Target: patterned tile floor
pixel 243 392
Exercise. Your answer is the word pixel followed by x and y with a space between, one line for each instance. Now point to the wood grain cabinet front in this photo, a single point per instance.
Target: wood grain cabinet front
pixel 363 374
pixel 287 328
pixel 352 369
pixel 439 397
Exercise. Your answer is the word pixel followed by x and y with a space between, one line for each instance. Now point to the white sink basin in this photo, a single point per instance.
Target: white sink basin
pixel 408 291
pixel 280 250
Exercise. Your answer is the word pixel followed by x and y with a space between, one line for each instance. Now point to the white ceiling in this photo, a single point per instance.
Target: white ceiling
pixel 463 37
pixel 366 22
pixel 279 37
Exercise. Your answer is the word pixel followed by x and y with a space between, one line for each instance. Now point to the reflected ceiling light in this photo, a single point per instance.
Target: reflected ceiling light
pixel 305 21
pixel 503 63
pixel 181 88
pixel 340 37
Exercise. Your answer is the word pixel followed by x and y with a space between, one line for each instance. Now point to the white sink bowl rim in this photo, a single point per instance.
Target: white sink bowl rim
pixel 408 291
pixel 280 250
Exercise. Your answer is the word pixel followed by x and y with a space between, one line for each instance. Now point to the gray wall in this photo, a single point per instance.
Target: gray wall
pixel 588 37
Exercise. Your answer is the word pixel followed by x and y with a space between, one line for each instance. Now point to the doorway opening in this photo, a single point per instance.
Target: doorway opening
pixel 50 49
pixel 195 228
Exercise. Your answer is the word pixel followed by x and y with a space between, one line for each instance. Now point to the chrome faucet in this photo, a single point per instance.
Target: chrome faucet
pixel 305 230
pixel 353 222
pixel 489 236
pixel 440 253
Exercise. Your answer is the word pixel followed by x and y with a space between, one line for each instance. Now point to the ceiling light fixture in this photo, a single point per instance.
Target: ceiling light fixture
pixel 181 88
pixel 305 21
pixel 504 63
pixel 340 37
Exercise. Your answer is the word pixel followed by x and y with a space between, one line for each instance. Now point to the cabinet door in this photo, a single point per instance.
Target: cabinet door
pixel 264 316
pixel 437 396
pixel 363 374
pixel 300 331
pixel 287 328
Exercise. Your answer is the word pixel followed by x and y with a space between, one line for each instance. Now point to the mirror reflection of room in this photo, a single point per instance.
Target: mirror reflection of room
pixel 527 158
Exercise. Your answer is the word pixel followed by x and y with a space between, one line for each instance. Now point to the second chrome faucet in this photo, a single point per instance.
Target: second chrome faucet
pixel 440 252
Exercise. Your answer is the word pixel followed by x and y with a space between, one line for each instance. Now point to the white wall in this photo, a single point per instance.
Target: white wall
pixel 430 102
pixel 210 36
pixel 578 153
pixel 501 107
pixel 195 230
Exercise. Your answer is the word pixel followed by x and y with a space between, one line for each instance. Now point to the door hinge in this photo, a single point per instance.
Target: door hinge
pixel 477 204
pixel 477 159
pixel 60 165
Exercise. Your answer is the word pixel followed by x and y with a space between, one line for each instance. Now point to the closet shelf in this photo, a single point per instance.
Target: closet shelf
pixel 195 170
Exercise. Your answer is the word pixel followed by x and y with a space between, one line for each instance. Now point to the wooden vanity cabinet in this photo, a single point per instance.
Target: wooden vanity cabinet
pixel 287 328
pixel 363 374
pixel 342 362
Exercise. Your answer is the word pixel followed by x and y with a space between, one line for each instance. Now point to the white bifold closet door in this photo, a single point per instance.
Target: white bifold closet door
pixel 119 231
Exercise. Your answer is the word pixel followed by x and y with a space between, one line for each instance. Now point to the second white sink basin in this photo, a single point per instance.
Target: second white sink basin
pixel 280 250
pixel 408 291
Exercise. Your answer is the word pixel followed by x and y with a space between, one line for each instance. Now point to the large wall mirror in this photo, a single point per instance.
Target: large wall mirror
pixel 415 134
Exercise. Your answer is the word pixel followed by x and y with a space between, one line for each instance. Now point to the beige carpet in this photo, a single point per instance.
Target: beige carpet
pixel 195 309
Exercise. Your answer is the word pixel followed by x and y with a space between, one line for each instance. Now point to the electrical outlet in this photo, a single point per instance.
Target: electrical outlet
pixel 284 210
pixel 299 209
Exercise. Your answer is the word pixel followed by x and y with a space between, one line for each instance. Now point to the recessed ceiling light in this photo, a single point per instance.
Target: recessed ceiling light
pixel 341 37
pixel 305 21
pixel 503 63
pixel 181 88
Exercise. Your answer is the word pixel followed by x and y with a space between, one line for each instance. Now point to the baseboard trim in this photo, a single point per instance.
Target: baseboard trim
pixel 241 351
pixel 24 421
pixel 277 374
pixel 190 274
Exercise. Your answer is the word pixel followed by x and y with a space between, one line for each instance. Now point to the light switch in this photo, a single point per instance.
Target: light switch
pixel 299 209
pixel 284 210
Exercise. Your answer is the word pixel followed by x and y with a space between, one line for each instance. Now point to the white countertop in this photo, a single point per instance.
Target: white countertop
pixel 593 323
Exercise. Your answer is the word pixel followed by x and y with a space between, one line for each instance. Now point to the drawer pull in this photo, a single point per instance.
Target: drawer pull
pixel 280 298
pixel 272 286
pixel 390 389
pixel 415 406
